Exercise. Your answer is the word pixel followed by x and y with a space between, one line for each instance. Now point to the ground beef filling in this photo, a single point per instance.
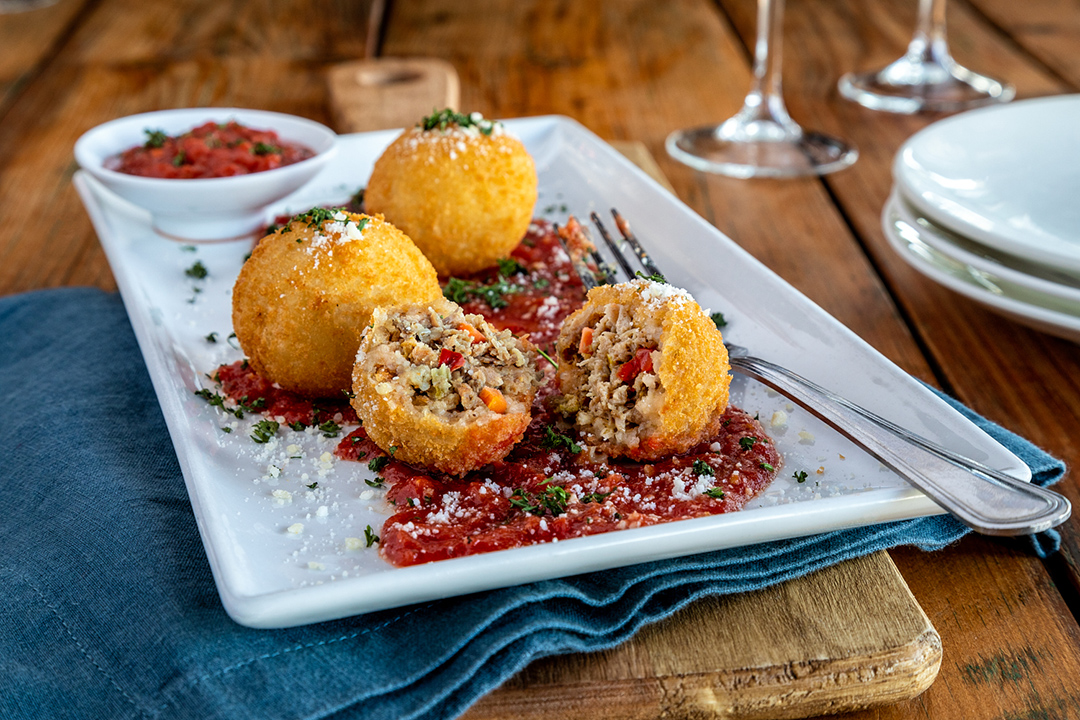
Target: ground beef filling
pixel 619 393
pixel 453 365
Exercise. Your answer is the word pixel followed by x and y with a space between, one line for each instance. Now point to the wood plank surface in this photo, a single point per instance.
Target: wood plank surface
pixel 624 53
pixel 800 648
pixel 632 69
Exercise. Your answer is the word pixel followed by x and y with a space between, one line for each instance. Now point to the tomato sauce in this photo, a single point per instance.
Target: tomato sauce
pixel 211 150
pixel 248 389
pixel 548 489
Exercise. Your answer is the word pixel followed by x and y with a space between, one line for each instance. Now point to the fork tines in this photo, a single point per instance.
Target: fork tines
pixel 632 241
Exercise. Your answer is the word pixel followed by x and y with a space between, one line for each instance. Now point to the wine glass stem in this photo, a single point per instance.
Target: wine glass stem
pixel 928 45
pixel 765 101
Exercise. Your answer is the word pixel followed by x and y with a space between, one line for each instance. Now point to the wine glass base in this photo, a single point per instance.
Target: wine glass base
pixel 907 89
pixel 803 154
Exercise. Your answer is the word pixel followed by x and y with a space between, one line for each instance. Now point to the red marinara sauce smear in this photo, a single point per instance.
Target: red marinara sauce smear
pixel 546 489
pixel 211 150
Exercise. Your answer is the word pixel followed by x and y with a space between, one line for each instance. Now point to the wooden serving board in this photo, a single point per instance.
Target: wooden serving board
pixel 848 637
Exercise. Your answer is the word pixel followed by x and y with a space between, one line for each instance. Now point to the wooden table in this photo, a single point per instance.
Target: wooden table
pixel 633 70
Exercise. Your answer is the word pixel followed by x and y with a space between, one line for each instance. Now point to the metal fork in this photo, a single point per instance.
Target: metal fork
pixel 983 498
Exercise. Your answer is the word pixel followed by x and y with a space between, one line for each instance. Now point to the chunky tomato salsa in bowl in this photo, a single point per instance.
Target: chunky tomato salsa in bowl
pixel 206 174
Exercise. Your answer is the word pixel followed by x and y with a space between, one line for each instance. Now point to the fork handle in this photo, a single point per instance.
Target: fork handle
pixel 984 499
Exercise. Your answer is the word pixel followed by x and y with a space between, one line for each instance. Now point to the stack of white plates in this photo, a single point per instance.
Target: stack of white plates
pixel 987 203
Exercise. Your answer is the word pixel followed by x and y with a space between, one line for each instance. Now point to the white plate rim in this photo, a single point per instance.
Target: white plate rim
pixel 939 239
pixel 934 201
pixel 907 241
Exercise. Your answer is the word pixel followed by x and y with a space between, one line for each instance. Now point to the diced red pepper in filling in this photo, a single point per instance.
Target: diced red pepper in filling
pixel 451 358
pixel 641 362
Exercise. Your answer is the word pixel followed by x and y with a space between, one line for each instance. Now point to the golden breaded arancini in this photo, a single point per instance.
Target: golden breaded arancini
pixel 460 187
pixel 446 390
pixel 307 292
pixel 643 370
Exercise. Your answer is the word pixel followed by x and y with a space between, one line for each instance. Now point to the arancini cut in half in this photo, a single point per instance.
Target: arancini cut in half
pixel 444 389
pixel 643 371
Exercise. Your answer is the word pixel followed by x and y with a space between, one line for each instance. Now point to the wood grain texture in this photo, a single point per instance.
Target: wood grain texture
pixel 383 93
pixel 792 650
pixel 128 56
pixel 631 69
pixel 640 70
pixel 28 40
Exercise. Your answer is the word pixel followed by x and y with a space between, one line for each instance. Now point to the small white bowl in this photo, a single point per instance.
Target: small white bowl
pixel 204 209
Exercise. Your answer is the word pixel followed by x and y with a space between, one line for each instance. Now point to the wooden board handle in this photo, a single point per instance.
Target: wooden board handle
pixel 384 93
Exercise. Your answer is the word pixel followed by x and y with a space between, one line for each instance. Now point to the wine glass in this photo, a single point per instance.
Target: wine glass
pixel 926 78
pixel 761 140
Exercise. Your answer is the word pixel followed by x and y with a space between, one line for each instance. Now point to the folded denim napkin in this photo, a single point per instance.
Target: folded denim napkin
pixel 109 609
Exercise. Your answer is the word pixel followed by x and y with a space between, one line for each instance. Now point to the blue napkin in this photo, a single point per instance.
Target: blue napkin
pixel 109 610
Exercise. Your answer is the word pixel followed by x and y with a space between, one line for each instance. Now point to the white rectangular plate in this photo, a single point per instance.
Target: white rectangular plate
pixel 270 577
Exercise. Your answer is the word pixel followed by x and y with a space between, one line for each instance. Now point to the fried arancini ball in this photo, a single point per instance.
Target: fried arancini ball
pixel 307 292
pixel 443 389
pixel 643 370
pixel 463 190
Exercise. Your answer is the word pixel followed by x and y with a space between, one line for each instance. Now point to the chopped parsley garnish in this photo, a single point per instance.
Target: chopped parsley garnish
pixel 716 493
pixel 232 336
pixel 541 283
pixel 799 476
pixel 510 266
pixel 766 467
pixel 442 119
pixel 376 483
pixel 378 463
pixel 316 216
pixel 264 430
pixel 179 159
pixel 459 291
pixel 554 441
pixel 211 338
pixel 312 486
pixel 747 443
pixel 370 537
pixel 155 138
pixel 655 277
pixel 718 318
pixel 226 429
pixel 197 271
pixel 595 497
pixel 256 404
pixel 330 429
pixel 264 149
pixel 297 426
pixel 555 499
pixel 547 357
pixel 188 248
pixel 217 400
pixel 552 499
pixel 703 468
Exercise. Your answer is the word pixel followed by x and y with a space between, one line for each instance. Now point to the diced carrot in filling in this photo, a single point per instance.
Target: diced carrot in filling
pixel 476 335
pixel 586 341
pixel 493 398
pixel 641 362
pixel 451 359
